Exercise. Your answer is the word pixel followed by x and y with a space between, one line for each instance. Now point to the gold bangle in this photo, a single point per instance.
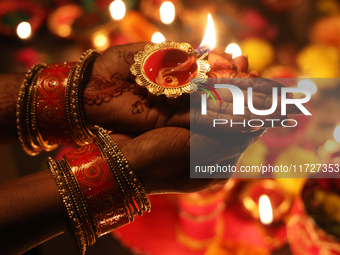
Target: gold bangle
pixel 28 110
pixel 44 145
pixel 28 131
pixel 23 119
pixel 73 103
pixel 85 216
pixel 66 195
pixel 128 199
pixel 125 171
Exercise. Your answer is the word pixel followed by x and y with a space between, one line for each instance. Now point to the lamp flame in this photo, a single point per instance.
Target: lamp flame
pixel 167 12
pixel 209 39
pixel 117 9
pixel 24 30
pixel 233 49
pixel 157 38
pixel 266 211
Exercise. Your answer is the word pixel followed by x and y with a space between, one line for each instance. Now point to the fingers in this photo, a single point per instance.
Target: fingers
pixel 223 177
pixel 120 138
pixel 261 102
pixel 244 81
pixel 117 59
pixel 180 118
pixel 211 148
pixel 217 62
pixel 218 122
pixel 220 119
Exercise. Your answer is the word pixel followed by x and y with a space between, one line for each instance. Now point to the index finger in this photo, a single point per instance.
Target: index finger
pixel 245 81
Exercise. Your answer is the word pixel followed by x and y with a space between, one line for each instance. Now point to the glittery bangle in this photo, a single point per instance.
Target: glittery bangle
pixel 128 197
pixel 50 103
pixel 124 171
pixel 130 181
pixel 66 195
pixel 44 145
pixel 73 101
pixel 23 119
pixel 49 108
pixel 82 207
pixel 99 187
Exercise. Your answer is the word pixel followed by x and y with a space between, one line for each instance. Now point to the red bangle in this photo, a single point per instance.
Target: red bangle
pixel 50 103
pixel 104 199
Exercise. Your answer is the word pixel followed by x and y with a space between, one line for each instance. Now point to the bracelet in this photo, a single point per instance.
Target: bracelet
pixel 99 188
pixel 73 104
pixel 128 197
pixel 70 205
pixel 23 120
pixel 49 108
pixel 78 197
pixel 50 103
pixel 97 195
pixel 124 172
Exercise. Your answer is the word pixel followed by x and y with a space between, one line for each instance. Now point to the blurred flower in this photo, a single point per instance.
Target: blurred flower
pixel 326 31
pixel 319 61
pixel 260 53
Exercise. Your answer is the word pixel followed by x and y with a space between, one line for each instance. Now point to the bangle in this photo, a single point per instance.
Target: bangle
pixel 44 145
pixel 70 205
pixel 23 115
pixel 124 170
pixel 50 103
pixel 95 193
pixel 98 185
pixel 49 108
pixel 82 208
pixel 128 198
pixel 59 102
pixel 73 102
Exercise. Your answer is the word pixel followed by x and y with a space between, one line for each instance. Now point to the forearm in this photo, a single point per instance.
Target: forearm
pixel 9 89
pixel 31 212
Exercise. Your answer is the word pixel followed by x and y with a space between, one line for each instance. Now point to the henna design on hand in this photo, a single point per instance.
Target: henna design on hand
pixel 100 90
pixel 138 107
pixel 127 56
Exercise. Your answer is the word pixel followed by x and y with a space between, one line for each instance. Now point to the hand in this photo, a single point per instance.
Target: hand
pixel 112 100
pixel 161 157
pixel 224 71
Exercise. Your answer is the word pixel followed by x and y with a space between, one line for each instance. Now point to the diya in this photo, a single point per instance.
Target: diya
pixel 279 199
pixel 170 68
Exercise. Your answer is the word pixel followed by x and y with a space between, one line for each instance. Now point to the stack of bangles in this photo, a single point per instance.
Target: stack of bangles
pixel 98 187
